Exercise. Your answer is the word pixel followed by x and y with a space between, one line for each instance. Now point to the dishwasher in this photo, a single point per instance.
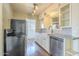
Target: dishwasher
pixel 56 46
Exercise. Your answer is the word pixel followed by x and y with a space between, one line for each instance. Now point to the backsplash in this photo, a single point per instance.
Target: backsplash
pixel 67 31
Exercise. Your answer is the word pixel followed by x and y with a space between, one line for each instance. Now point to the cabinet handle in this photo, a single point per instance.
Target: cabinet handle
pixel 75 38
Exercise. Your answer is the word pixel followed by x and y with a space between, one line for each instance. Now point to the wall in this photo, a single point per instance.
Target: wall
pixel 47 21
pixel 38 25
pixel 20 16
pixel 24 16
pixel 7 15
pixel 75 25
pixel 1 33
pixel 75 19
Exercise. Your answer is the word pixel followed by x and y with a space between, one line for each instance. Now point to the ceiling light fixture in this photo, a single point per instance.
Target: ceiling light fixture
pixel 35 7
pixel 34 11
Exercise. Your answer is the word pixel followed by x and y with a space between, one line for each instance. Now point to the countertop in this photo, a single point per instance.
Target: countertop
pixel 61 35
pixel 58 35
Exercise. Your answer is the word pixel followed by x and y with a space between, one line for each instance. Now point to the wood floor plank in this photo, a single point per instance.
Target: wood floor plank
pixel 34 50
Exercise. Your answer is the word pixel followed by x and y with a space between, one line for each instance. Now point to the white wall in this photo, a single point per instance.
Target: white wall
pixel 30 26
pixel 7 15
pixel 75 19
pixel 22 16
pixel 19 16
pixel 75 25
pixel 1 33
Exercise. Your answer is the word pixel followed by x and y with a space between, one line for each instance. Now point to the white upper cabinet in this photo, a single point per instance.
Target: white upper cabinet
pixel 65 15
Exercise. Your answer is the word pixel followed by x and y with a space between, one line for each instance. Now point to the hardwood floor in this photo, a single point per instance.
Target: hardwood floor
pixel 34 50
pixel 31 49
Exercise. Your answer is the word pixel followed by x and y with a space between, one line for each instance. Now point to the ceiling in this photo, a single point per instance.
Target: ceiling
pixel 28 8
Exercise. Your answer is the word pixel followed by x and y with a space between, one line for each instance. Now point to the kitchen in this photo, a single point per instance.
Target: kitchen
pixel 56 26
pixel 63 15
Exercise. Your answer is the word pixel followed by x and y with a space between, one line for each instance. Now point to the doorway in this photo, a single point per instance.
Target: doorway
pixel 30 29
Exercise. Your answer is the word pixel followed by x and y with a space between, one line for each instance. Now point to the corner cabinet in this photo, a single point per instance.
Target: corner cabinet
pixel 65 15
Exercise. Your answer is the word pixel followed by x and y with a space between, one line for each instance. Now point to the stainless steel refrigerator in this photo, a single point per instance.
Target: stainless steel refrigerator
pixel 14 39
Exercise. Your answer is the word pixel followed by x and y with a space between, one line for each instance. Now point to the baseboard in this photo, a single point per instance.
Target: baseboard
pixel 43 48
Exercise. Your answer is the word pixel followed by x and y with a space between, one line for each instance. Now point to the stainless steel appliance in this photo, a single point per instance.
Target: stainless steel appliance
pixel 10 40
pixel 56 46
pixel 14 38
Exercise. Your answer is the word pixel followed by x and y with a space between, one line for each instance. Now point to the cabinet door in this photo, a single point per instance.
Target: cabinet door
pixel 60 48
pixel 65 16
pixel 76 45
pixel 53 47
pixel 47 44
pixel 68 44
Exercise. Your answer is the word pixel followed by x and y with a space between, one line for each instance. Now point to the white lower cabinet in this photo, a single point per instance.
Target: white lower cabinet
pixel 54 46
pixel 43 40
pixel 47 45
